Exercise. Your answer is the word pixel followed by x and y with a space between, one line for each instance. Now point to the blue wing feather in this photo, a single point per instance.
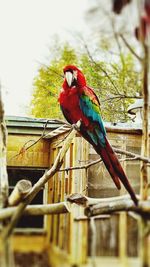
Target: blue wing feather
pixel 90 107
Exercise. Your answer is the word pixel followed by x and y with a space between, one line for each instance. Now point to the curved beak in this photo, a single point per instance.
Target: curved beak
pixel 69 77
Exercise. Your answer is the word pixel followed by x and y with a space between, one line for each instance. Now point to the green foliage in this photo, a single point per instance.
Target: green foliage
pixel 47 84
pixel 115 83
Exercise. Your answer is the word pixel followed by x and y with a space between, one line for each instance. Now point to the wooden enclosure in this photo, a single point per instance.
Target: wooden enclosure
pixel 66 238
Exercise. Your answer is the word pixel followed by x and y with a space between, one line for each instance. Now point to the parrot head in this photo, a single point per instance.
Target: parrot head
pixel 73 77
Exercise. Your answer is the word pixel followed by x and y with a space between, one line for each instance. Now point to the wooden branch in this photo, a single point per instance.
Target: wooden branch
pixel 88 201
pixel 122 205
pixel 120 97
pixel 138 157
pixel 22 188
pixel 36 210
pixel 119 151
pixel 50 69
pixel 86 166
pixel 36 188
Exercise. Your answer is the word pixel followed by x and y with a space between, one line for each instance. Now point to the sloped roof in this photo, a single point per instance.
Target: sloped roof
pixel 28 125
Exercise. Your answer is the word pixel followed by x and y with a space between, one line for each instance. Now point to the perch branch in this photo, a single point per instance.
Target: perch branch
pixel 36 210
pixel 88 201
pixel 117 150
pixel 36 188
pixel 21 189
pixel 121 205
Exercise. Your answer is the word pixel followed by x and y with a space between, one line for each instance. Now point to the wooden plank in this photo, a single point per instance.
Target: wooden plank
pixel 50 194
pixel 56 132
pixel 54 233
pixel 78 229
pixel 123 237
pixel 58 257
pixel 32 157
pixel 132 237
pixel 27 243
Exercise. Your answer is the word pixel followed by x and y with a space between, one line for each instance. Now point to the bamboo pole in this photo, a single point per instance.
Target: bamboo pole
pixel 36 210
pixel 41 182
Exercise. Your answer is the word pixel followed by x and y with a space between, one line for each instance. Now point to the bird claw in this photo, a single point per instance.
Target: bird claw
pixel 77 125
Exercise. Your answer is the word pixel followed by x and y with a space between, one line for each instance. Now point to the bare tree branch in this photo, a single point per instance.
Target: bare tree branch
pixel 121 97
pixel 130 48
pixel 26 145
pixel 131 154
pixel 100 67
pixel 50 69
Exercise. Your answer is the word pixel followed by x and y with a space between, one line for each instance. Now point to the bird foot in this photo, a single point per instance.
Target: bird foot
pixel 77 125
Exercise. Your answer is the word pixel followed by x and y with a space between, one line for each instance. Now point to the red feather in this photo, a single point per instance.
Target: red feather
pixel 75 108
pixel 118 171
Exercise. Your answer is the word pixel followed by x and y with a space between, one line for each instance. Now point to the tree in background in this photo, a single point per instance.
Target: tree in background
pixel 116 82
pixel 48 82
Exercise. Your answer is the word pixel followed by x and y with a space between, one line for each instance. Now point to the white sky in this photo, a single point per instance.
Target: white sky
pixel 26 30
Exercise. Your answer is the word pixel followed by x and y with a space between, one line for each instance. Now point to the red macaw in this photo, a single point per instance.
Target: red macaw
pixel 79 102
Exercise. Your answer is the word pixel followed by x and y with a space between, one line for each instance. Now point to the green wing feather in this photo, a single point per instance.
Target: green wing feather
pixel 90 106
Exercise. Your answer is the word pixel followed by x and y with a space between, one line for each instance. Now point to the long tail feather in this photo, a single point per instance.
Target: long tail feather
pixel 105 157
pixel 113 166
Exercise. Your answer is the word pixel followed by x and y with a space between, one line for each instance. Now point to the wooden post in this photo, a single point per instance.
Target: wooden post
pixel 145 134
pixel 7 258
pixel 144 245
pixel 123 238
pixel 93 241
pixel 3 171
